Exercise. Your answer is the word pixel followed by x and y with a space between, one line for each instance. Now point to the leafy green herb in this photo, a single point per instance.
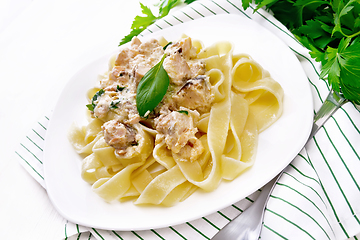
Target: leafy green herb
pixel 165 6
pixel 140 23
pixel 183 111
pixel 330 29
pixel 92 105
pixel 113 104
pixel 152 88
pixel 169 43
pixel 119 89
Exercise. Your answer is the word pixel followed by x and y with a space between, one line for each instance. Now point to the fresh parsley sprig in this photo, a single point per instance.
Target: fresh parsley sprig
pixel 330 29
pixel 140 23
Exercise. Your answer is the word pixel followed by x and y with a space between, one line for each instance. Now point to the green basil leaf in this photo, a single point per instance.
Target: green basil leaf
pixel 152 88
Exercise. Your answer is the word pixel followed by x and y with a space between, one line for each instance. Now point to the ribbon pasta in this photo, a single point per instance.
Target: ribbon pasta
pixel 246 102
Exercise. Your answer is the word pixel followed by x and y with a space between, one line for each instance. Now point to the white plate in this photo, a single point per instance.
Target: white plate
pixel 278 145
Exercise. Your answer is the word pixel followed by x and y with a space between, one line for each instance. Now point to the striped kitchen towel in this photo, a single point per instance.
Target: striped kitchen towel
pixel 318 196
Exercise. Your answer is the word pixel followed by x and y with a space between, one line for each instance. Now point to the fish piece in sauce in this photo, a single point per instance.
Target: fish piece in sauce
pixel 183 47
pixel 178 131
pixel 120 136
pixel 177 69
pixel 195 94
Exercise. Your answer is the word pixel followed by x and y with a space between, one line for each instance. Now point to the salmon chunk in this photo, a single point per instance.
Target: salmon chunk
pixel 118 135
pixel 178 131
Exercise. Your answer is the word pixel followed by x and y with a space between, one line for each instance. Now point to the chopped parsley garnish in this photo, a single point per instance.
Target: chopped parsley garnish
pixel 92 105
pixel 113 104
pixel 183 111
pixel 169 43
pixel 119 89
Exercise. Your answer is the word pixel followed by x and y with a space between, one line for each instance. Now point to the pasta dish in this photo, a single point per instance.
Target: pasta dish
pixel 203 129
